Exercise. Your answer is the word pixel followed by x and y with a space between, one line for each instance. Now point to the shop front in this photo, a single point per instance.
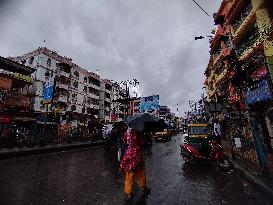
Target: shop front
pixel 259 100
pixel 5 123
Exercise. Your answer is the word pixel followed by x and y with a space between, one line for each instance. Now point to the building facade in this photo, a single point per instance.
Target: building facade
pixel 76 89
pixel 118 108
pixel 16 97
pixel 106 96
pixel 239 75
pixel 133 106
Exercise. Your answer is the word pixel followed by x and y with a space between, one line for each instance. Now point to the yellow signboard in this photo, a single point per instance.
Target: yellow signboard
pixel 46 102
pixel 23 77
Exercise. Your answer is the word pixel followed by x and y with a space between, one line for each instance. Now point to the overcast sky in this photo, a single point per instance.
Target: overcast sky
pixel 150 40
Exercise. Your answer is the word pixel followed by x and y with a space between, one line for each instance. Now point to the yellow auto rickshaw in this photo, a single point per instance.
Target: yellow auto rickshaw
pixel 197 133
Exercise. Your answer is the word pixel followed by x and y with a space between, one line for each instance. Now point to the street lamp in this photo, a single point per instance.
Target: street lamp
pixel 201 37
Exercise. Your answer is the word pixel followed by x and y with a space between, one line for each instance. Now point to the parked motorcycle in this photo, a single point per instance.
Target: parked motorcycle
pixel 202 151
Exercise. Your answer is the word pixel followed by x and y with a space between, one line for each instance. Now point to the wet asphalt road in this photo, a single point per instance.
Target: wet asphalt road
pixel 89 176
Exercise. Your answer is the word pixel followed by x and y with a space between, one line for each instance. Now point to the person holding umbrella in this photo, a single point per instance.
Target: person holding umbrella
pixel 133 163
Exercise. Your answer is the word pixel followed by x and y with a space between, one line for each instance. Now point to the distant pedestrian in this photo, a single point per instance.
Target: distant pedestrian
pixel 217 131
pixel 133 163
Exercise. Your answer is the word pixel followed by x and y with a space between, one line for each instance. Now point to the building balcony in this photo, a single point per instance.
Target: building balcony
pixel 107 100
pixel 96 107
pixel 63 86
pixel 61 72
pixel 221 76
pixel 217 58
pixel 17 100
pixel 108 90
pixel 63 99
pixel 246 46
pixel 94 86
pixel 248 21
pixel 97 97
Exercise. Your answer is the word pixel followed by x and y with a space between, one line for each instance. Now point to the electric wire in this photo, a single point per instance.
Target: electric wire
pixel 201 8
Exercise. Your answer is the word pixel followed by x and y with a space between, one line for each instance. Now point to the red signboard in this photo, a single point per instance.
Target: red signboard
pixel 5 118
pixel 113 117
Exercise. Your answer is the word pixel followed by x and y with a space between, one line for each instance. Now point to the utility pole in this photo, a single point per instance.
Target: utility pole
pixel 127 99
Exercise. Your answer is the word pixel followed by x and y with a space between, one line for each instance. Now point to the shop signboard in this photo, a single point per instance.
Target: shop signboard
pixel 149 103
pixel 48 91
pixel 23 77
pixel 261 93
pixel 113 117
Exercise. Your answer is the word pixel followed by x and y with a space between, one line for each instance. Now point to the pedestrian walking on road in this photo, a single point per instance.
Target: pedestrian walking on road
pixel 133 163
pixel 217 131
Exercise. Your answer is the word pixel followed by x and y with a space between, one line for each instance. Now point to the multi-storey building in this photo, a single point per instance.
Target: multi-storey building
pixel 48 64
pixel 76 89
pixel 118 108
pixel 85 90
pixel 133 106
pixel 15 95
pixel 239 75
pixel 164 112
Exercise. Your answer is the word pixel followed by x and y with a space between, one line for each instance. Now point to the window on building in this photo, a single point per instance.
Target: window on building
pixel 30 61
pixel 85 79
pixel 75 84
pixel 76 74
pixel 89 101
pixel 107 95
pixel 47 74
pixel 94 81
pixel 83 110
pixel 48 62
pixel 73 107
pixel 74 97
pixel 85 89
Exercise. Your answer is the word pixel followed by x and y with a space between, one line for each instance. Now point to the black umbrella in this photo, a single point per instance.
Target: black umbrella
pixel 146 123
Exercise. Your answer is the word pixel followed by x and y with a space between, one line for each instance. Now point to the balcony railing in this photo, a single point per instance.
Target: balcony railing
pixel 248 41
pixel 93 96
pixel 63 86
pixel 61 72
pixel 62 98
pixel 107 99
pixel 246 9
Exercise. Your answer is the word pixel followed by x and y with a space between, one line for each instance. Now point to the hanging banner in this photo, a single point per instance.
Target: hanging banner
pixel 48 91
pixel 261 93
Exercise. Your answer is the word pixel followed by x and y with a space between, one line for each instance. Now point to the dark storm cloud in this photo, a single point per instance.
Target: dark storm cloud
pixel 150 40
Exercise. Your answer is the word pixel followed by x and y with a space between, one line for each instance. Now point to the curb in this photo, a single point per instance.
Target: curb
pixel 252 179
pixel 9 154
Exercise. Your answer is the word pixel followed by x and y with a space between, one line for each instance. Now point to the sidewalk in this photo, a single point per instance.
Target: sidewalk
pixel 23 152
pixel 264 184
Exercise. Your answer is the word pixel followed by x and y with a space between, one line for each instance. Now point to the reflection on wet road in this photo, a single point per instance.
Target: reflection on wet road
pixel 90 176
